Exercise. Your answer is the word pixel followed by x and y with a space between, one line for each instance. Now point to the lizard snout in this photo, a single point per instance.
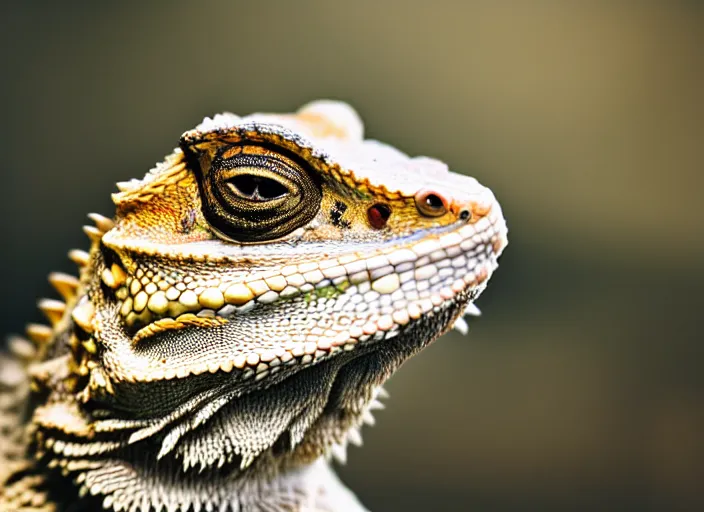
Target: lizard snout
pixel 434 202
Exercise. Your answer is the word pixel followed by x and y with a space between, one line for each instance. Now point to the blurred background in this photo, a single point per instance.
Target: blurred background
pixel 582 386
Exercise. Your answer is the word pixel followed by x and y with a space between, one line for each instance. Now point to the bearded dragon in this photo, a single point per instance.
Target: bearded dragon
pixel 233 323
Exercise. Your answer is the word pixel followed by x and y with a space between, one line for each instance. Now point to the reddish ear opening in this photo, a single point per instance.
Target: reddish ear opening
pixel 378 215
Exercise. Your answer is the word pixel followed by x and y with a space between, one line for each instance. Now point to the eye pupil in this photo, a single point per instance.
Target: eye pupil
pixel 270 189
pixel 245 183
pixel 257 188
pixel 434 202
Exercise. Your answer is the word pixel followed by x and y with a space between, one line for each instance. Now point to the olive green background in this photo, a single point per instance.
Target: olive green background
pixel 582 387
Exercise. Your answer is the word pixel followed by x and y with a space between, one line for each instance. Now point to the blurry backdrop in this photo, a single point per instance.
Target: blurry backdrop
pixel 582 387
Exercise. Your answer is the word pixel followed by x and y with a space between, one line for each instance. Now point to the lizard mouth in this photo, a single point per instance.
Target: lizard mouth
pixel 338 303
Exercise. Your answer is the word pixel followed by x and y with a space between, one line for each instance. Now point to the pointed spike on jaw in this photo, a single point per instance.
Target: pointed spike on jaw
pixel 246 461
pixel 339 453
pixel 114 277
pixel 472 310
pixel 13 374
pixel 368 418
pixel 79 257
pixel 90 346
pixel 83 315
pixel 382 394
pixel 119 273
pixel 354 436
pixel 22 348
pixel 65 284
pixel 461 326
pixel 103 223
pixel 53 309
pixel 39 333
pixel 93 233
pixel 376 405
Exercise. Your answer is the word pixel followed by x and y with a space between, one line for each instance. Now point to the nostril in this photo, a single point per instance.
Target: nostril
pixel 465 215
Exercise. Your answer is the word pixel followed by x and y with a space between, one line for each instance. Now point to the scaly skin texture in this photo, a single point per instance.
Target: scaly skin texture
pixel 232 325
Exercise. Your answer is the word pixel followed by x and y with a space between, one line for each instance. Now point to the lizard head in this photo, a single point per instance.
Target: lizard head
pixel 261 283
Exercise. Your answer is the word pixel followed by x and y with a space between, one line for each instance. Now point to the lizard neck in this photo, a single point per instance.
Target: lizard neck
pixel 308 488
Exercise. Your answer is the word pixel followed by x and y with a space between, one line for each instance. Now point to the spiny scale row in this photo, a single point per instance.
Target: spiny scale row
pixel 39 335
pixel 66 286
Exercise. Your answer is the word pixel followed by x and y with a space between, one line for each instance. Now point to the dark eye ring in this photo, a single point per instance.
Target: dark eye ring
pixel 255 193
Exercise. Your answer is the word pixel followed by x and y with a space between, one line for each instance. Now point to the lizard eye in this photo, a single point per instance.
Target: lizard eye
pixel 255 194
pixel 430 204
